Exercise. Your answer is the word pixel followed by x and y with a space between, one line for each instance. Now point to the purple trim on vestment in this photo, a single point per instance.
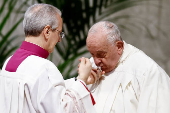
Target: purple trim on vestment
pixel 22 53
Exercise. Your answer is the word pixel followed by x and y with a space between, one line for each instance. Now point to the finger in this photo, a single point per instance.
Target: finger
pixel 99 74
pixel 94 69
pixel 78 71
pixel 87 60
pixel 98 68
pixel 83 60
pixel 94 74
pixel 78 65
pixel 103 72
pixel 80 59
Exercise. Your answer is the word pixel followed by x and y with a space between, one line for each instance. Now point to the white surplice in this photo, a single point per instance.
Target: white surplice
pixel 136 85
pixel 38 87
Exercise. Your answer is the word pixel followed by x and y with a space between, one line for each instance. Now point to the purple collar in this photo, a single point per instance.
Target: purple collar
pixel 22 53
pixel 37 50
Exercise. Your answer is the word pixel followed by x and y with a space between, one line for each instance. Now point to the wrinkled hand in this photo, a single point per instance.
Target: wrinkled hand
pixel 95 75
pixel 84 69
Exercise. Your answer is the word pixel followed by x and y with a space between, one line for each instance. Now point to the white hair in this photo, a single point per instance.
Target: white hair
pixel 109 28
pixel 38 16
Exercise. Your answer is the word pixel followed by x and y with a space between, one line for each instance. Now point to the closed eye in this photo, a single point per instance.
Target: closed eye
pixel 101 54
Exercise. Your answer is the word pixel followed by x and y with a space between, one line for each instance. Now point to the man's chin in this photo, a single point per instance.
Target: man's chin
pixel 104 69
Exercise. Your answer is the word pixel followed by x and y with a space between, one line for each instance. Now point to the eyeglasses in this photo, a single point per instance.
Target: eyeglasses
pixel 62 34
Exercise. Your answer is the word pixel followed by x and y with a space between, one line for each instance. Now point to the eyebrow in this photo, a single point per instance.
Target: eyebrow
pixel 101 52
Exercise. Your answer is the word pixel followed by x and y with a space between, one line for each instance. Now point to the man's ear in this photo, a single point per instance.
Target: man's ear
pixel 120 46
pixel 46 32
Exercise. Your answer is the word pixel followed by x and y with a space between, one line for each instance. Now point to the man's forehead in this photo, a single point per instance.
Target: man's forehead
pixel 60 21
pixel 96 40
pixel 97 47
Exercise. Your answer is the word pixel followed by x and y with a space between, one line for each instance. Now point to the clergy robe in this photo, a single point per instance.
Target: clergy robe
pixel 137 85
pixel 31 84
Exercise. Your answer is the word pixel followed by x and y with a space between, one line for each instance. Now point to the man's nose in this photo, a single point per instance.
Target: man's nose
pixel 59 40
pixel 97 61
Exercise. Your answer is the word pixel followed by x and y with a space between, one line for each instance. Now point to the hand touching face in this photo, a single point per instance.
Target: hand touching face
pixel 84 69
pixel 86 73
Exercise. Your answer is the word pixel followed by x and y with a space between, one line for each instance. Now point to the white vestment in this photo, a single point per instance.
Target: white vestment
pixel 136 85
pixel 38 87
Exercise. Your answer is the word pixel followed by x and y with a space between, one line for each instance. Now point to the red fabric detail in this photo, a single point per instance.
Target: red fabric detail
pixel 93 101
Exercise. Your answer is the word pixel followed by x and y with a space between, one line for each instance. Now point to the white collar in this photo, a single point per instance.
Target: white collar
pixel 127 51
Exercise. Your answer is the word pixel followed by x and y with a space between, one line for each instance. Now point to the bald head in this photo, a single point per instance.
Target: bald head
pixel 107 29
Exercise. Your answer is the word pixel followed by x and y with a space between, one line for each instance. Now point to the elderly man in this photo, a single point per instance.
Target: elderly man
pixel 31 84
pixel 133 82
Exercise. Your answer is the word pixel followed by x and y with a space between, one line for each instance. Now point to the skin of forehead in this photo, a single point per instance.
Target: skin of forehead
pixel 60 22
pixel 97 39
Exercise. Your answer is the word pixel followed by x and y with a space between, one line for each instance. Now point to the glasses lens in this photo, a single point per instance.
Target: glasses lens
pixel 62 34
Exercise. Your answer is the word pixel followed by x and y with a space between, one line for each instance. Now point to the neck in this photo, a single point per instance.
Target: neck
pixel 35 40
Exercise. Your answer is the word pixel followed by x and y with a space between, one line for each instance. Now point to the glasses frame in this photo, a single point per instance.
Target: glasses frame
pixel 61 34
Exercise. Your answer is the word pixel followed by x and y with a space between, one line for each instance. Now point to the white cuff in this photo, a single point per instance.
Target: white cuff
pixel 81 81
